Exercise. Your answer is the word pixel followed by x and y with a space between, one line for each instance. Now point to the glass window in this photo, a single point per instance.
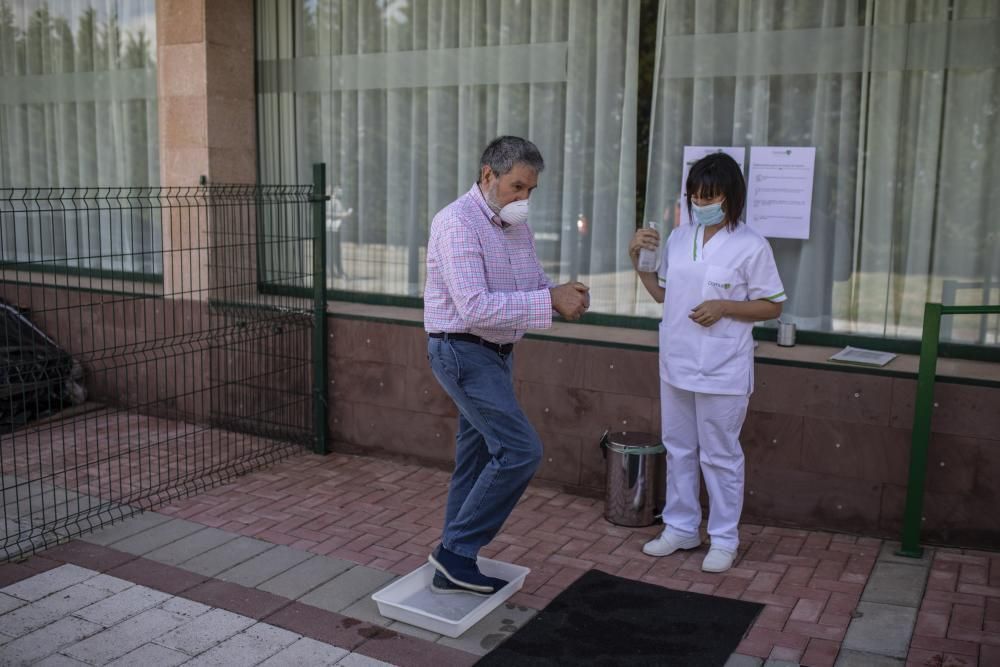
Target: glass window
pixel 77 108
pixel 901 101
pixel 400 98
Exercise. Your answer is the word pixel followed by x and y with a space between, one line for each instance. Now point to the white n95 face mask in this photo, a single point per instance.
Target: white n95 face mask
pixel 515 213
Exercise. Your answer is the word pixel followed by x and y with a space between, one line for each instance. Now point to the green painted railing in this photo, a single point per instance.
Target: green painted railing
pixel 319 345
pixel 922 413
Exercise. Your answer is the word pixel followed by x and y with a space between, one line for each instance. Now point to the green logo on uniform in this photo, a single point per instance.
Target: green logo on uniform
pixel 712 283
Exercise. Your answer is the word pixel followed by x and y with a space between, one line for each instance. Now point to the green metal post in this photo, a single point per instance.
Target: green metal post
pixel 922 412
pixel 320 390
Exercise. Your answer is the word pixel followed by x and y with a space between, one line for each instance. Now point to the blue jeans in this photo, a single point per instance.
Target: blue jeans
pixel 496 449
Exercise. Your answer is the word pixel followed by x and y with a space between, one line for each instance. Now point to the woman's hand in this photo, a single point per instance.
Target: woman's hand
pixel 643 238
pixel 708 313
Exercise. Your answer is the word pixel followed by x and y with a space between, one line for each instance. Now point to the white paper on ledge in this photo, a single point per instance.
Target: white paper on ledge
pixel 857 355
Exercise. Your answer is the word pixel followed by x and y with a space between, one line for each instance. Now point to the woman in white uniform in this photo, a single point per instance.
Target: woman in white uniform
pixel 716 278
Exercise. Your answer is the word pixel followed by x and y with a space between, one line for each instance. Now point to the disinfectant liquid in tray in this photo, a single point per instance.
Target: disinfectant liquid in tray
pixel 411 600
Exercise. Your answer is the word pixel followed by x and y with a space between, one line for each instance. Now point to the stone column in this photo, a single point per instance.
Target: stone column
pixel 205 66
pixel 205 72
pixel 205 51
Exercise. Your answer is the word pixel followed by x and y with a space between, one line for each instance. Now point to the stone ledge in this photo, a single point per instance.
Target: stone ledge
pixel 816 356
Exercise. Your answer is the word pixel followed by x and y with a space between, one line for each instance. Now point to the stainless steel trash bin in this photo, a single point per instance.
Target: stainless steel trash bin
pixel 636 479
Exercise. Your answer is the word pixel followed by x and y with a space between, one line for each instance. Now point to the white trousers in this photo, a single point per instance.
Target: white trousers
pixel 703 431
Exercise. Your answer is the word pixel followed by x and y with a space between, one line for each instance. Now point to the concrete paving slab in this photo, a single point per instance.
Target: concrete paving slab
pixel 9 603
pixel 124 637
pixel 848 658
pixel 358 660
pixel 151 655
pixel 157 537
pixel 59 660
pixel 186 608
pixel 10 527
pixel 882 629
pixel 127 528
pixel 306 652
pixel 191 546
pixel 32 508
pixel 226 556
pixel 272 634
pixel 256 644
pixel 50 609
pixel 204 632
pixel 116 608
pixel 74 598
pixel 28 619
pixel 60 504
pixel 366 610
pixel 413 631
pixel 304 577
pixel 30 540
pixel 780 663
pixel 887 554
pixel 237 599
pixel 739 660
pixel 490 632
pixel 347 588
pixel 46 501
pixel 129 631
pixel 106 582
pixel 895 583
pixel 45 641
pixel 20 489
pixel 266 566
pixel 45 584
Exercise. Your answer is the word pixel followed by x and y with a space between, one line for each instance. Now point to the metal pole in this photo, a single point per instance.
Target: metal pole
pixel 949 290
pixel 319 306
pixel 412 237
pixel 574 249
pixel 922 413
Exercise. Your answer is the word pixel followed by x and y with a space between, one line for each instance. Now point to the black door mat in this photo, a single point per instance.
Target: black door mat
pixel 603 620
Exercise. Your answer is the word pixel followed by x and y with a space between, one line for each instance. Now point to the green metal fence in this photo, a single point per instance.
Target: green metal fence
pixel 119 393
pixel 922 413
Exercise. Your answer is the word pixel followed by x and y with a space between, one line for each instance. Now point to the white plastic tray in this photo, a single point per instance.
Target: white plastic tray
pixel 410 599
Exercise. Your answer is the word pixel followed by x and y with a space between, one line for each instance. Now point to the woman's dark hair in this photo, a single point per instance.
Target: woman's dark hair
pixel 714 175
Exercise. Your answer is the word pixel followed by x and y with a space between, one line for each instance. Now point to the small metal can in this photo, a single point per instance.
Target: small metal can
pixel 786 334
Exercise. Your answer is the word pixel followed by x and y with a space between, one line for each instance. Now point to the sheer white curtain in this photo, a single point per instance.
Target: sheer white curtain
pixel 400 98
pixel 78 108
pixel 929 229
pixel 899 99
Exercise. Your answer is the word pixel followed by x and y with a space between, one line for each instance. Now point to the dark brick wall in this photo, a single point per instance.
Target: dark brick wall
pixel 825 449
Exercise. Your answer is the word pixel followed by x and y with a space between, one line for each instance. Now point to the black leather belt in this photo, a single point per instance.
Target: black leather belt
pixel 471 338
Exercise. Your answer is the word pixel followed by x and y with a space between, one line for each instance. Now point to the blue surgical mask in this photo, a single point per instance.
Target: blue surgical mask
pixel 706 216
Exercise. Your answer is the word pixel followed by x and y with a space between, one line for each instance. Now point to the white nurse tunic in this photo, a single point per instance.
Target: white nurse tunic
pixel 706 373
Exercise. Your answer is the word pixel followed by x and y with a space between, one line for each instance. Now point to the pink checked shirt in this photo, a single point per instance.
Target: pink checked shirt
pixel 483 278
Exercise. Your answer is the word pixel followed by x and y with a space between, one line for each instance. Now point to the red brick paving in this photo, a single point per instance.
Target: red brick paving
pixel 959 619
pixel 388 515
pixel 131 458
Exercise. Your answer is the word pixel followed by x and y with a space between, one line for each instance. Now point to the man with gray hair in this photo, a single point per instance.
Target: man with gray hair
pixel 485 288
